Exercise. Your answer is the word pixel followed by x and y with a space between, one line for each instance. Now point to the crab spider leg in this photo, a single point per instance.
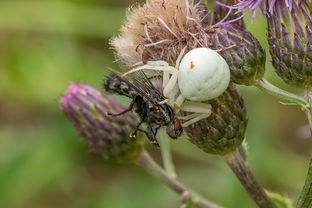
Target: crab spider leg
pixel 196 107
pixel 194 120
pixel 157 63
pixel 200 111
pixel 180 57
pixel 188 117
pixel 166 77
pixel 173 94
pixel 179 101
pixel 171 83
pixel 169 69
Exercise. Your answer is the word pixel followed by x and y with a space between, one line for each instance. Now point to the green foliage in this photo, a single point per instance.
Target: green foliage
pixel 280 201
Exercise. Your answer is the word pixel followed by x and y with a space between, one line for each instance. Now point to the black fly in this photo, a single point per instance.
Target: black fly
pixel 146 101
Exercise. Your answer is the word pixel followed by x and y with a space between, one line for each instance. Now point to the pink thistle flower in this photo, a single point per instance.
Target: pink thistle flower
pixel 254 5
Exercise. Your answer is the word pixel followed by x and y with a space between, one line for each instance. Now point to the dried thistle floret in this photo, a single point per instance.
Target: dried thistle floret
pixel 159 30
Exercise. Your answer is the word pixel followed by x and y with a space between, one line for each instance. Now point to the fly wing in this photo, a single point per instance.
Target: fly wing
pixel 142 84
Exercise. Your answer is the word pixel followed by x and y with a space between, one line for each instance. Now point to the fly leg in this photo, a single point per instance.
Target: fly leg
pixel 143 114
pixel 151 136
pixel 133 134
pixel 125 111
pixel 155 132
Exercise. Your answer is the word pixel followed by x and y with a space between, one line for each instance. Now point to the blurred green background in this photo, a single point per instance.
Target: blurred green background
pixel 47 44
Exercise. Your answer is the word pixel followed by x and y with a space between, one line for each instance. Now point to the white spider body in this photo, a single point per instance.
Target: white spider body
pixel 201 75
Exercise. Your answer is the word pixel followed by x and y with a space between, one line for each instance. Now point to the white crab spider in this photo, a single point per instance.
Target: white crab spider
pixel 202 74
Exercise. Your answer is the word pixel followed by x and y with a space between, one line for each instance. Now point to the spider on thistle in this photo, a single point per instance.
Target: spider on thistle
pixel 198 76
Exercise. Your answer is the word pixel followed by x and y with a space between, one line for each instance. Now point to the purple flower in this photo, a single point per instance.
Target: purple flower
pixel 253 5
pixel 242 5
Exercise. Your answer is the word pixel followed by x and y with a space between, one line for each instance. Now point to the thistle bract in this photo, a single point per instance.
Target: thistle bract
pixel 241 50
pixel 290 40
pixel 224 130
pixel 87 108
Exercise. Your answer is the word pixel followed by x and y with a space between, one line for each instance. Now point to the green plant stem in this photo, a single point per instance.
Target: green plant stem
pixel 236 162
pixel 308 109
pixel 309 116
pixel 267 87
pixel 305 199
pixel 146 161
pixel 166 155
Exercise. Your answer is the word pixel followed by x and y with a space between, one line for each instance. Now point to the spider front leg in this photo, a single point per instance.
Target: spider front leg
pixel 169 82
pixel 199 111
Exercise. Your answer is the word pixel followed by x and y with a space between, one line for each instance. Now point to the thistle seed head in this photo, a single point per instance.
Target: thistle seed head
pixel 87 108
pixel 224 130
pixel 159 30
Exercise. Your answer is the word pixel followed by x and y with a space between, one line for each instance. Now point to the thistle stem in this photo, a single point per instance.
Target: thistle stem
pixel 146 162
pixel 236 162
pixel 309 116
pixel 305 199
pixel 166 155
pixel 269 88
pixel 308 109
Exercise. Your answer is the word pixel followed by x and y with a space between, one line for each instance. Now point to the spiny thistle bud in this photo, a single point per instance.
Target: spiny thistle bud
pixel 290 40
pixel 246 58
pixel 224 130
pixel 244 54
pixel 159 30
pixel 87 109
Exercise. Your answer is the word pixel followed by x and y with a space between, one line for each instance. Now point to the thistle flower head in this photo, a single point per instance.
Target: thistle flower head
pixel 86 108
pixel 159 30
pixel 224 130
pixel 223 13
pixel 243 6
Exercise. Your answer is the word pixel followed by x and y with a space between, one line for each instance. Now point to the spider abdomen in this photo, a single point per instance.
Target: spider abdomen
pixel 203 75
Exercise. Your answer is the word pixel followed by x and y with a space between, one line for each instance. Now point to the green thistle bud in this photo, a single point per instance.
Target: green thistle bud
pixel 87 108
pixel 246 57
pixel 290 40
pixel 224 130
